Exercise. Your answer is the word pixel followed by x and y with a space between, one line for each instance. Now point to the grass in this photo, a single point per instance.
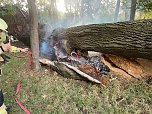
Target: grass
pixel 46 92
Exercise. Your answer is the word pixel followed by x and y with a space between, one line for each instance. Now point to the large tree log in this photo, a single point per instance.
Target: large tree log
pixel 127 41
pixel 132 39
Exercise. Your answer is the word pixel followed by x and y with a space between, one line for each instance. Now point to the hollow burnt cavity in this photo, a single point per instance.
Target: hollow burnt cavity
pixel 56 50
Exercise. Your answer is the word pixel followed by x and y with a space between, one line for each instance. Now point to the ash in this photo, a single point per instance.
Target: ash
pixel 95 62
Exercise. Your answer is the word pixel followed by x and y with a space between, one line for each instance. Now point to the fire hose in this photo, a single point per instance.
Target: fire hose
pixel 19 82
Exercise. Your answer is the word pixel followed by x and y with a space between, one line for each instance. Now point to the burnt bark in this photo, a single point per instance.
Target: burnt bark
pixel 131 39
pixel 72 72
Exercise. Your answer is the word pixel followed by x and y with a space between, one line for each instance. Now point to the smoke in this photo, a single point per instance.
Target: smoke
pixel 46 50
pixel 90 12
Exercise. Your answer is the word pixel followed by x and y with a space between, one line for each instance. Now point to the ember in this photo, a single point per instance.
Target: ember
pixel 89 67
pixel 95 62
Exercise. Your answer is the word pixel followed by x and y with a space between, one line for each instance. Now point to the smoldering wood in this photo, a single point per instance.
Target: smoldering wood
pixel 82 73
pixel 130 39
pixel 67 71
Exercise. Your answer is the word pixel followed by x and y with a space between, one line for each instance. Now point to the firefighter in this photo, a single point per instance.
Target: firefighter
pixel 5 45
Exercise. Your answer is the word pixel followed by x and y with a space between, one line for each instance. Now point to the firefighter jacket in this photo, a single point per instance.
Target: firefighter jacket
pixel 3 109
pixel 6 47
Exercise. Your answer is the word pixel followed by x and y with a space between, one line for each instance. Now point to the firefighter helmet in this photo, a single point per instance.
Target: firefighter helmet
pixel 3 25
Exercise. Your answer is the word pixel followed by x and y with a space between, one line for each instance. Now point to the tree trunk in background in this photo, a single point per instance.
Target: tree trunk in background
pixel 53 12
pixel 82 11
pixel 126 15
pixel 133 9
pixel 132 39
pixel 117 11
pixel 34 34
pixel 127 10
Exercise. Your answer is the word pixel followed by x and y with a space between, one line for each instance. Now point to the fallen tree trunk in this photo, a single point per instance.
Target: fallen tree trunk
pixel 131 39
pixel 123 45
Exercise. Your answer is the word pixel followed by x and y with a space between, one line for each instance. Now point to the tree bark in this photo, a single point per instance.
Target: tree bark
pixel 131 39
pixel 34 34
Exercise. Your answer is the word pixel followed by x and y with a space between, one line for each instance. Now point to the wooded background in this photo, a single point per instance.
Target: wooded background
pixel 66 13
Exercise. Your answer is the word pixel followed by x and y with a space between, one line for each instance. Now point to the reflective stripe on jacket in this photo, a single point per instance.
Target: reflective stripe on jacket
pixel 3 109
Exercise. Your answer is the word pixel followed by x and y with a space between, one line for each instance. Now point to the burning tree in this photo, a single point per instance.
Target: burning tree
pixel 126 45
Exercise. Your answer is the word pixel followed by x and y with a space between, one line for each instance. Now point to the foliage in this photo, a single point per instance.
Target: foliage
pixel 6 2
pixel 145 5
pixel 79 11
pixel 147 15
pixel 7 10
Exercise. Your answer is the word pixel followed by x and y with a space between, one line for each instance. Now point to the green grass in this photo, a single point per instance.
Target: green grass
pixel 46 92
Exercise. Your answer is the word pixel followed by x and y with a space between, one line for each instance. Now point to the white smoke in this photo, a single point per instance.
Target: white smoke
pixel 100 12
